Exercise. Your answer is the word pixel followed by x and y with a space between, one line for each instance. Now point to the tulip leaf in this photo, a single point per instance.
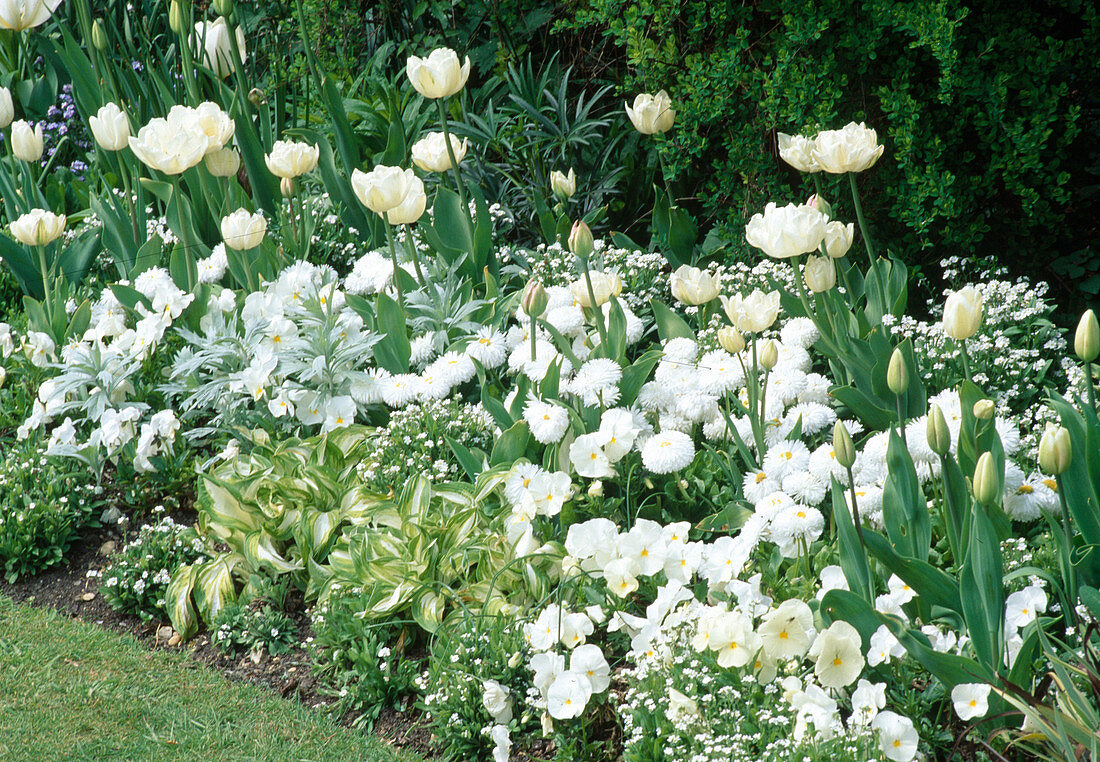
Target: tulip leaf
pixel 981 586
pixel 853 558
pixel 933 586
pixel 669 324
pixel 473 464
pixel 635 375
pixel 393 351
pixel 511 445
pixel 904 508
pixel 867 410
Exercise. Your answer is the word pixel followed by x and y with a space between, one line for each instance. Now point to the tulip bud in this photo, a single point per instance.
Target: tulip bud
pixel 223 162
pixel 897 374
pixel 26 142
pixel 99 37
pixel 962 313
pixel 820 204
pixel 936 431
pixel 563 185
pixel 286 187
pixel 175 17
pixel 534 299
pixel 819 274
pixel 1086 342
pixel 580 240
pixel 595 489
pixel 986 484
pixel 769 355
pixel 843 447
pixel 3 376
pixel 1055 450
pixel 223 7
pixel 730 339
pixel 984 410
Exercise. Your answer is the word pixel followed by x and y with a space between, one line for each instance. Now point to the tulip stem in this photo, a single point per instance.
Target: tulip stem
pixel 1071 574
pixel 901 420
pixel 534 356
pixel 965 360
pixel 1087 367
pixel 451 155
pixel 596 309
pixel 862 223
pixel 411 248
pixel 45 270
pixel 393 258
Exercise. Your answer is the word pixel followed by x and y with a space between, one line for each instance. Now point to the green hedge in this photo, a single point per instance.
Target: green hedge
pixel 980 106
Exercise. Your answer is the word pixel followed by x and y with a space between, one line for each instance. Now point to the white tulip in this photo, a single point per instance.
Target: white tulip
pixel 26 142
pixel 7 108
pixel 430 152
pixel 289 160
pixel 383 188
pixel 218 54
pixel 652 113
pixel 797 151
pixel 110 127
pixel 754 313
pixel 819 273
pixel 786 231
pixel 38 227
pixel 223 162
pixel 438 75
pixel 563 185
pixel 852 149
pixel 692 286
pixel 243 231
pixel 170 146
pixel 18 15
pixel 962 313
pixel 412 207
pixel 838 238
pixel 604 286
pixel 215 123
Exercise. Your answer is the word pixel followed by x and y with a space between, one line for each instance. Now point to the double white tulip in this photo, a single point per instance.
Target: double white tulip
pixel 217 51
pixel 962 313
pixel 430 152
pixel 38 227
pixel 652 113
pixel 243 231
pixel 438 75
pixel 18 15
pixel 223 162
pixel 26 142
pixel 797 151
pixel 172 145
pixel 753 313
pixel 110 127
pixel 819 274
pixel 217 125
pixel 7 108
pixel 289 160
pixel 852 149
pixel 692 286
pixel 786 231
pixel 395 193
pixel 838 238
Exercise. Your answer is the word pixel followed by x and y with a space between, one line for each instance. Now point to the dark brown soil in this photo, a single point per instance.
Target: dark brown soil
pixel 65 588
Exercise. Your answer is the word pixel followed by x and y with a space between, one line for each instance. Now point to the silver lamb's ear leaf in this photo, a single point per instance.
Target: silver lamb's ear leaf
pixel 178 602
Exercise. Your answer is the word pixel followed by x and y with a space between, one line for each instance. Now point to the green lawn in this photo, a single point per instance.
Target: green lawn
pixel 73 691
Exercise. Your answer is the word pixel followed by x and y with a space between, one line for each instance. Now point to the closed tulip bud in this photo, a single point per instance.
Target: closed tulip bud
pixel 838 238
pixel 534 299
pixel 175 17
pixel 287 187
pixel 580 240
pixel 110 128
pixel 563 185
pixel 223 7
pixel 651 113
pixel 843 447
pixel 730 339
pixel 38 227
pixel 984 410
pixel 819 274
pixel 986 484
pixel 7 108
pixel 26 142
pixel 243 231
pixel 962 313
pixel 692 286
pixel 223 162
pixel 99 37
pixel 897 373
pixel 820 204
pixel 769 355
pixel 1086 341
pixel 936 431
pixel 1055 450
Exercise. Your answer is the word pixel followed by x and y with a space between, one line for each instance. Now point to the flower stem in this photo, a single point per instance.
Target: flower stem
pixel 597 312
pixel 859 217
pixel 1071 574
pixel 451 155
pixel 393 258
pixel 965 360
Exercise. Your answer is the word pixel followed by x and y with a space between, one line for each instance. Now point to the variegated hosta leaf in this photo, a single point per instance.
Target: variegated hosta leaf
pixel 319 576
pixel 259 550
pixel 214 588
pixel 225 511
pixel 341 563
pixel 428 610
pixel 178 602
pixel 318 529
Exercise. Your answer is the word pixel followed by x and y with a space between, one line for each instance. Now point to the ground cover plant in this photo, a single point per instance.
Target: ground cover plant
pixel 571 495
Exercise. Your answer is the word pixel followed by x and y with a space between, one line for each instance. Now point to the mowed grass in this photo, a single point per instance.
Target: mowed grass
pixel 73 691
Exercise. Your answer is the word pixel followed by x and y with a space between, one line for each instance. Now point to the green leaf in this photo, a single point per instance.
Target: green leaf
pixel 869 412
pixel 853 559
pixel 981 586
pixel 636 374
pixel 213 587
pixel 932 585
pixel 471 464
pixel 904 508
pixel 669 324
pixel 177 601
pixel 511 445
pixel 393 351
